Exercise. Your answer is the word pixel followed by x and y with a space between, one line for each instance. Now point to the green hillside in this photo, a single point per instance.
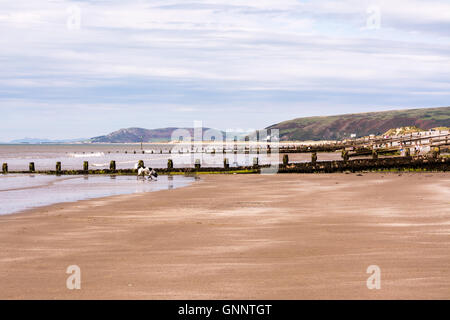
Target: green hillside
pixel 361 124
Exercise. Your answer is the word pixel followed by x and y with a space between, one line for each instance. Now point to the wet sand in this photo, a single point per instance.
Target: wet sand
pixel 239 237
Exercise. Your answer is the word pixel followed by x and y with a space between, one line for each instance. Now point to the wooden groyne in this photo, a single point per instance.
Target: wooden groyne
pixel 356 146
pixel 433 162
pixel 383 144
pixel 358 165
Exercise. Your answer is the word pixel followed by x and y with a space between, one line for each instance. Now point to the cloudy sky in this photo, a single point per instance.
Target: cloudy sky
pixel 71 69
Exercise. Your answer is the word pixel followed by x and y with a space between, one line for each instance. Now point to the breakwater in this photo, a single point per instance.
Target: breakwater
pixel 358 165
pixel 418 163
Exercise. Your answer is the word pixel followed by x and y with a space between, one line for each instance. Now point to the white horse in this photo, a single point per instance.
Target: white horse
pixel 151 173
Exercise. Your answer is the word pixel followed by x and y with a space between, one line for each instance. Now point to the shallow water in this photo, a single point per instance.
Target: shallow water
pixel 21 192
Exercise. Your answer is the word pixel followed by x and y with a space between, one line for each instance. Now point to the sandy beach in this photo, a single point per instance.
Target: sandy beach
pixel 239 237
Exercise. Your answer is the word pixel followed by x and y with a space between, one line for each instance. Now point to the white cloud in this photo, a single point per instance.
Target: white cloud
pixel 212 46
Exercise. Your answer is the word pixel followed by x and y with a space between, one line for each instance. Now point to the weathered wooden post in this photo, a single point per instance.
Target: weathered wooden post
pixel 226 163
pixel 58 167
pixel 407 152
pixel 345 155
pixel 31 167
pixel 285 159
pixel 112 165
pixel 255 163
pixel 5 168
pixel 436 152
pixel 197 164
pixel 169 164
pixel 374 154
pixel 141 164
pixel 314 158
pixel 85 166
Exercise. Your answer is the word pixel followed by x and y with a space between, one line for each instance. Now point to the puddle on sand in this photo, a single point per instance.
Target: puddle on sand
pixel 19 192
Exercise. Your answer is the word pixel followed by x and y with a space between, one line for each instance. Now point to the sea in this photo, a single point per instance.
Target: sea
pixel 99 156
pixel 19 192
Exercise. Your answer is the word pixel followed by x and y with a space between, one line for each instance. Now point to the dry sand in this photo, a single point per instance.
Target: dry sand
pixel 240 237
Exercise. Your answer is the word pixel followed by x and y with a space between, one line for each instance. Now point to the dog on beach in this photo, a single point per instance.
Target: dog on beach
pixel 150 172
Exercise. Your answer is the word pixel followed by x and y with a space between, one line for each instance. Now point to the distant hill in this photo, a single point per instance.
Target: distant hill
pixel 361 124
pixel 132 135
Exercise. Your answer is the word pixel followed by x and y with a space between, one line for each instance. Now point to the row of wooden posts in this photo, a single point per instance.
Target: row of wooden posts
pixel 224 151
pixel 235 150
pixel 32 168
pixel 112 165
pixel 226 164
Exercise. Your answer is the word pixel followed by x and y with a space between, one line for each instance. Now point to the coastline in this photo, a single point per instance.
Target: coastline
pixel 291 236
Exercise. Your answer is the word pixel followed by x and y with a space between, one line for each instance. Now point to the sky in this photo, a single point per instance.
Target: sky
pixel 78 69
